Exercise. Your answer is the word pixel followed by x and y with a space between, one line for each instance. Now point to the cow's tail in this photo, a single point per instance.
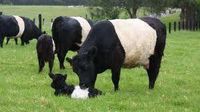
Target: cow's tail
pixel 55 31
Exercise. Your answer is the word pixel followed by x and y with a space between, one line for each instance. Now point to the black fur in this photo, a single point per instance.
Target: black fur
pixel 45 52
pixel 102 50
pixel 62 88
pixel 9 28
pixel 66 33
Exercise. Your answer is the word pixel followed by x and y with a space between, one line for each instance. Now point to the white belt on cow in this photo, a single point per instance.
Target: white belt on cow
pixel 21 26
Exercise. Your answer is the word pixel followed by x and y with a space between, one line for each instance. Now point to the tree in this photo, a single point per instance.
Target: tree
pixel 156 6
pixel 104 9
pixel 131 6
pixel 190 9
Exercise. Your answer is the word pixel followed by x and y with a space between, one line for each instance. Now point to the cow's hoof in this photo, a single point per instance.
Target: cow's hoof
pixel 116 89
pixel 151 87
pixel 62 67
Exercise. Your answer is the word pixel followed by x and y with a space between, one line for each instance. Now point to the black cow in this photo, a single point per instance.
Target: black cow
pixel 69 33
pixel 121 43
pixel 45 51
pixel 62 88
pixel 17 26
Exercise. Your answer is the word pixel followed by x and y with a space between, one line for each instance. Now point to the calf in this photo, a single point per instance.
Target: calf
pixel 17 26
pixel 62 88
pixel 121 43
pixel 69 33
pixel 45 51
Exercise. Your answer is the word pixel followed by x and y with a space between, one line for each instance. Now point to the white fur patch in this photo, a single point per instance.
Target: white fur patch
pixel 54 47
pixel 138 40
pixel 85 28
pixel 21 26
pixel 79 93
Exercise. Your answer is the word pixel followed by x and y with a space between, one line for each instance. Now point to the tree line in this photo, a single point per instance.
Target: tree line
pixel 111 9
pixel 44 2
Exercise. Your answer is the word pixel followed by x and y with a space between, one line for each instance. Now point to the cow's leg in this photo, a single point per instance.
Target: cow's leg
pixel 22 42
pixel 24 39
pixel 51 62
pixel 1 40
pixel 116 78
pixel 93 81
pixel 27 42
pixel 61 58
pixel 41 63
pixel 118 59
pixel 153 69
pixel 7 40
pixel 16 41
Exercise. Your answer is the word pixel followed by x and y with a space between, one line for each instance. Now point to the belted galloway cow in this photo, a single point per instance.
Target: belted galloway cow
pixel 113 44
pixel 69 33
pixel 17 26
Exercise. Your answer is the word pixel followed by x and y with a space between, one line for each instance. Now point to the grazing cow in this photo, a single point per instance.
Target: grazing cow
pixel 17 26
pixel 69 33
pixel 121 43
pixel 45 51
pixel 62 88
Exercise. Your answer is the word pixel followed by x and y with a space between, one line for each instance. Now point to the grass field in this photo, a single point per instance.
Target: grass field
pixel 177 89
pixel 48 12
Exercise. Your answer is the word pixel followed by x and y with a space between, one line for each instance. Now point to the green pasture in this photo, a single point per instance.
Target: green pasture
pixel 48 12
pixel 177 88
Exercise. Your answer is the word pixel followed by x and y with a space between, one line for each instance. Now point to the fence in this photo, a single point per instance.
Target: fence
pixel 183 25
pixel 42 21
pixel 172 26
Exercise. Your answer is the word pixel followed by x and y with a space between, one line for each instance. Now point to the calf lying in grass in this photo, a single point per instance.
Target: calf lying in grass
pixel 62 88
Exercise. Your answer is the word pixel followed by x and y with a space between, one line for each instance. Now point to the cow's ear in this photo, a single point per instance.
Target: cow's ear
pixel 69 60
pixel 92 52
pixel 52 76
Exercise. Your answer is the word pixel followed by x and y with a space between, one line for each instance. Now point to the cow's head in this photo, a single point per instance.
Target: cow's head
pixel 58 83
pixel 83 66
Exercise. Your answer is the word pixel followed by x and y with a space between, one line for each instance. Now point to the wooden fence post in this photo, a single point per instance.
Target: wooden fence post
pixel 186 25
pixel 190 25
pixel 179 25
pixel 175 26
pixel 86 16
pixel 199 25
pixel 43 20
pixel 40 21
pixel 195 25
pixel 34 20
pixel 170 27
pixel 52 22
pixel 183 25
